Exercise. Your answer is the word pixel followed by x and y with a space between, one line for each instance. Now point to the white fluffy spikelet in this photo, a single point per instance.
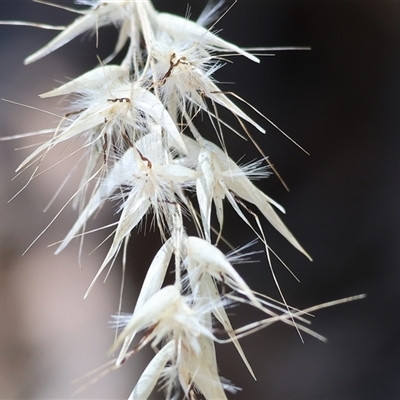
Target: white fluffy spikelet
pixel 146 153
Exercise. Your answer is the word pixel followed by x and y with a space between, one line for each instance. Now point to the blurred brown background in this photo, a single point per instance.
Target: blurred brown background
pixel 340 101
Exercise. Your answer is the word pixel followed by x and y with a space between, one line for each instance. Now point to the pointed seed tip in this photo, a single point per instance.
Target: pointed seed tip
pixel 360 296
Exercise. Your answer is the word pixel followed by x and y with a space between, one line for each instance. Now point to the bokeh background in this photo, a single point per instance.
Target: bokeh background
pixel 339 101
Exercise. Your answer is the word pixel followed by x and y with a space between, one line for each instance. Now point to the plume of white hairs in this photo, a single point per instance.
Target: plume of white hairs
pixel 137 124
